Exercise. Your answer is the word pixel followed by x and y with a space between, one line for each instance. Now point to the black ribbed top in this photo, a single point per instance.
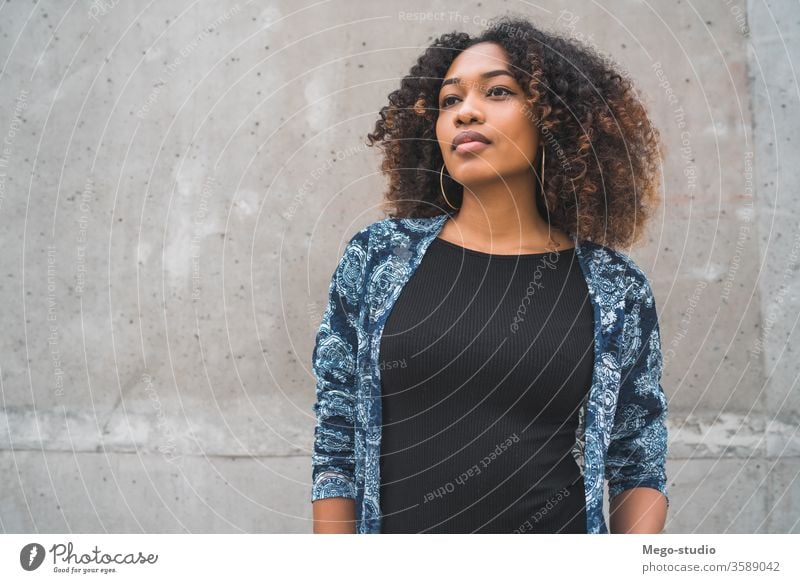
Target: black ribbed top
pixel 485 361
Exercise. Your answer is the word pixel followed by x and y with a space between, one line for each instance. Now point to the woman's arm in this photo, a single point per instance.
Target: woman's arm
pixel 638 511
pixel 334 362
pixel 636 460
pixel 334 516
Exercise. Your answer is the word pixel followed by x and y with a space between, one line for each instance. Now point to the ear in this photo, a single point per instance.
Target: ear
pixel 419 105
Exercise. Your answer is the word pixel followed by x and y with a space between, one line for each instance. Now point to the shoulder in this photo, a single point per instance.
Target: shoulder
pixel 370 241
pixel 391 225
pixel 389 234
pixel 619 270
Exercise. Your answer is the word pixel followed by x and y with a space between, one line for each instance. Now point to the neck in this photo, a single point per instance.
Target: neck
pixel 502 216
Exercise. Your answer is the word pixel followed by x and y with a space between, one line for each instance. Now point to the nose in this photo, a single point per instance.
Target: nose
pixel 468 112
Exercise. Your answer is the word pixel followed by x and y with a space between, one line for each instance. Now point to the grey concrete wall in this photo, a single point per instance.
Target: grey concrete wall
pixel 177 181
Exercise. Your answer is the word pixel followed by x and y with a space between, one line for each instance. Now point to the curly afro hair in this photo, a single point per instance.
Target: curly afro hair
pixel 602 153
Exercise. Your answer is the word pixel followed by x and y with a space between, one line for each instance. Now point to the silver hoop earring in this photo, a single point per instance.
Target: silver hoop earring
pixel 441 187
pixel 541 173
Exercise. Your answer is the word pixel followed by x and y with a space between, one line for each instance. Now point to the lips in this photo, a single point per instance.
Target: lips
pixel 469 136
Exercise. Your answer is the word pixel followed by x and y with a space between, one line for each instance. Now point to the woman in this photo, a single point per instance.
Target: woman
pixel 487 358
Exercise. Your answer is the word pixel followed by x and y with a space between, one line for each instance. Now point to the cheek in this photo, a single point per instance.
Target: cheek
pixel 441 134
pixel 520 140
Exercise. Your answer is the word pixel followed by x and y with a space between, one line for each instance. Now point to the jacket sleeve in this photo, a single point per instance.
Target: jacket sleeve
pixel 638 442
pixel 334 361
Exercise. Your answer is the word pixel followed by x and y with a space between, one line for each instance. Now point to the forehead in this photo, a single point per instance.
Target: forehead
pixel 477 59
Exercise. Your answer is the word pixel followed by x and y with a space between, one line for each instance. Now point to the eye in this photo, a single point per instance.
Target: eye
pixel 501 88
pixel 444 103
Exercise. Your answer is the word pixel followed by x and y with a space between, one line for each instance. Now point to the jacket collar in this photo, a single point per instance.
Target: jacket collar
pixel 596 262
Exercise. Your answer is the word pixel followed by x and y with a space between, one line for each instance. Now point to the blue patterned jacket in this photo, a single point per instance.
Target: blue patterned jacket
pixel 621 435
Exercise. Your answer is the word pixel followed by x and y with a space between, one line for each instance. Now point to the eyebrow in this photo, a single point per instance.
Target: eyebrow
pixel 487 75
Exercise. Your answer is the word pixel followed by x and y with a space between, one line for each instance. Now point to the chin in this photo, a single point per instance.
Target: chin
pixel 477 171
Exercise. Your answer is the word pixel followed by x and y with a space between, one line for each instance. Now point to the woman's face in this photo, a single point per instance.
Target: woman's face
pixel 477 96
